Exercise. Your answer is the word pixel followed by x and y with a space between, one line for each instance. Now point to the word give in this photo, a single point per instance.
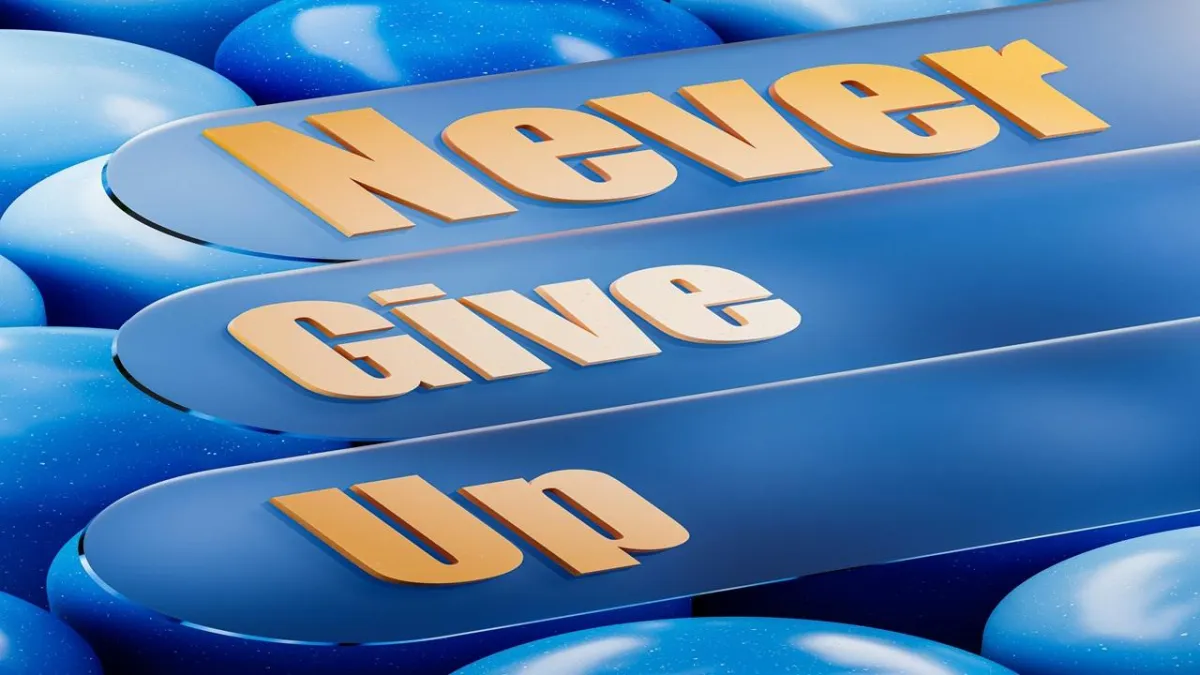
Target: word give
pixel 588 329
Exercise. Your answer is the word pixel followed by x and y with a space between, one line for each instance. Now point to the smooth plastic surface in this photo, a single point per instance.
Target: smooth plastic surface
pixel 118 629
pixel 1131 607
pixel 70 98
pixel 96 265
pixel 772 483
pixel 954 266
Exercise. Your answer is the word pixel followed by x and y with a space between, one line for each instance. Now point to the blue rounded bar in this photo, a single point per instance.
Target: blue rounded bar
pixel 1131 607
pixel 307 48
pixel 871 290
pixel 96 265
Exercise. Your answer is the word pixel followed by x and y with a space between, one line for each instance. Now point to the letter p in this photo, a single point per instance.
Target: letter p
pixel 633 524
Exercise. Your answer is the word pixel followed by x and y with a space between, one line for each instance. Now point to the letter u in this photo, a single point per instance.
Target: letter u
pixel 473 551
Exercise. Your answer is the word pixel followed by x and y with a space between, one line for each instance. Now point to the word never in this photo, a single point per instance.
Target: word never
pixel 744 139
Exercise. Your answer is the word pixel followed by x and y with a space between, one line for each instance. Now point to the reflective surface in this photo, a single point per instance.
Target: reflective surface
pixel 189 28
pixel 751 19
pixel 95 264
pixel 33 642
pixel 20 301
pixel 1132 607
pixel 253 215
pixel 956 266
pixel 308 48
pixel 69 98
pixel 118 629
pixel 947 598
pixel 76 436
pixel 771 483
pixel 734 646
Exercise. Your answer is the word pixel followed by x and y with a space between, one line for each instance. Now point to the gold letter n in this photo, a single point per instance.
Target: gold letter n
pixel 342 186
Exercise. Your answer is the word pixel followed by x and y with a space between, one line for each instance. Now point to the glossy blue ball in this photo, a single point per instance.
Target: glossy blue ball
pixel 735 646
pixel 1130 607
pixel 75 436
pixel 95 264
pixel 20 301
pixel 737 20
pixel 308 48
pixel 69 98
pixel 192 29
pixel 34 642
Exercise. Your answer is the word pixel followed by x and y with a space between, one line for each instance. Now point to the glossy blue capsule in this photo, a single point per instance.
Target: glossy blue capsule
pixel 734 646
pixel 20 301
pixel 156 175
pixel 1131 607
pixel 69 98
pixel 307 48
pixel 192 29
pixel 33 642
pixel 95 264
pixel 75 436
pixel 737 20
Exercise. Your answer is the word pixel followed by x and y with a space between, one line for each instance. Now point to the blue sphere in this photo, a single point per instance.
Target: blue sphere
pixel 307 48
pixel 737 20
pixel 735 646
pixel 189 28
pixel 20 301
pixel 33 642
pixel 1130 607
pixel 69 98
pixel 95 264
pixel 75 436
